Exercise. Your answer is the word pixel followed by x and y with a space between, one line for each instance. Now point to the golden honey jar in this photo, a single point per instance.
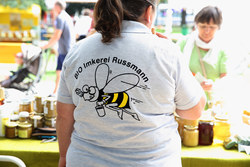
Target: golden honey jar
pixel 50 122
pixel 38 104
pixel 24 130
pixel 11 130
pixel 25 105
pixel 222 128
pixel 23 116
pixel 36 121
pixel 50 108
pixel 190 136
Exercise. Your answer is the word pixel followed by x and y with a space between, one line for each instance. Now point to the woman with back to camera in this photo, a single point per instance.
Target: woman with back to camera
pixel 119 90
pixel 203 49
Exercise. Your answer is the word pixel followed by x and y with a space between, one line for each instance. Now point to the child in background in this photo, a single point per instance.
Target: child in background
pixel 19 60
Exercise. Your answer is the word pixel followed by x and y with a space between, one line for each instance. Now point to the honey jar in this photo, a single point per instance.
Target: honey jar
pixel 190 135
pixel 221 127
pixel 50 122
pixel 23 116
pixel 25 105
pixel 14 117
pixel 36 121
pixel 24 130
pixel 182 122
pixel 38 104
pixel 2 95
pixel 11 130
pixel 50 108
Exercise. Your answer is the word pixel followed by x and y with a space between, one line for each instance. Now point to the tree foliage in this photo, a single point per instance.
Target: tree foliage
pixel 23 4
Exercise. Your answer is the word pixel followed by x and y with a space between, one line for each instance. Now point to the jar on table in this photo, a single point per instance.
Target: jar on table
pixel 50 122
pixel 38 104
pixel 182 122
pixel 4 118
pixel 11 130
pixel 50 108
pixel 14 118
pixel 23 116
pixel 190 135
pixel 222 127
pixel 25 105
pixel 36 121
pixel 2 95
pixel 206 133
pixel 24 130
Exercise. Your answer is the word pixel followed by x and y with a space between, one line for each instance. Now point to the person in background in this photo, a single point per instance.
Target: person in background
pixel 83 24
pixel 64 34
pixel 184 28
pixel 203 50
pixel 19 60
pixel 119 90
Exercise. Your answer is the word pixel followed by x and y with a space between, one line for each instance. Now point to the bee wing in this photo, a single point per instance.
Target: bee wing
pixel 121 83
pixel 101 75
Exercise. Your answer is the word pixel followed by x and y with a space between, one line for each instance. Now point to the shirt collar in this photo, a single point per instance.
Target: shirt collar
pixel 134 27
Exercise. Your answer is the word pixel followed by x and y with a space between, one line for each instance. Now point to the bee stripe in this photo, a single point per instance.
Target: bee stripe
pixel 124 100
pixel 115 97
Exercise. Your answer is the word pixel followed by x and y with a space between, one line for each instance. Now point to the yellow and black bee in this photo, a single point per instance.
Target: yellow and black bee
pixel 110 94
pixel 121 98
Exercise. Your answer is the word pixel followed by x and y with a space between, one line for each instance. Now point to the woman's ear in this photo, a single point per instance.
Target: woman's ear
pixel 149 16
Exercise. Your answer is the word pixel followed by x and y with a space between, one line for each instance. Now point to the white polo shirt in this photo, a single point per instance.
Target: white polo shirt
pixel 125 95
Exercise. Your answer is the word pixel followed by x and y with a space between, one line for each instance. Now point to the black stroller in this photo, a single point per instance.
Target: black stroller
pixel 33 64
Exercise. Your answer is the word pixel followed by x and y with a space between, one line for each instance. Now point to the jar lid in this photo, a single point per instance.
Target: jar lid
pixel 25 101
pixel 37 117
pixel 24 125
pixel 206 119
pixel 11 124
pixel 222 117
pixel 50 99
pixel 190 127
pixel 24 114
pixel 50 119
pixel 14 117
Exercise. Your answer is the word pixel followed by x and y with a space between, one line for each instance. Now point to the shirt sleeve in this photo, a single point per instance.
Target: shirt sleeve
pixel 223 63
pixel 63 93
pixel 188 90
pixel 59 23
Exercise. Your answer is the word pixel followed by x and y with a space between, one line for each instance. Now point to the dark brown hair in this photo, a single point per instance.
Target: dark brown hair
pixel 208 13
pixel 109 14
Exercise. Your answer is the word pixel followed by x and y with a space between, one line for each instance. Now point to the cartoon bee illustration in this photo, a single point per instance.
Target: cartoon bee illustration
pixel 111 93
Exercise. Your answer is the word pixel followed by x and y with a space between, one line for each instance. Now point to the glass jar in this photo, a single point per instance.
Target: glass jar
pixel 38 104
pixel 23 116
pixel 4 118
pixel 36 121
pixel 180 122
pixel 221 127
pixel 24 130
pixel 190 136
pixel 11 130
pixel 14 117
pixel 2 95
pixel 50 108
pixel 206 133
pixel 50 122
pixel 25 105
